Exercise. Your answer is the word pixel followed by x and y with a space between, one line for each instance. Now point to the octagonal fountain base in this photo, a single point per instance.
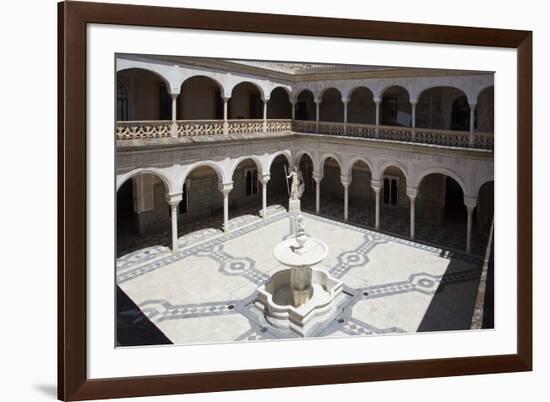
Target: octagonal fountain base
pixel 275 299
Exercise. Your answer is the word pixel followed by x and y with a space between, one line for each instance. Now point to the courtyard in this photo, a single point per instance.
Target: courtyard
pixel 206 291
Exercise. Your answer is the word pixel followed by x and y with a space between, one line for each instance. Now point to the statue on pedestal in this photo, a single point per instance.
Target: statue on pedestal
pixel 298 185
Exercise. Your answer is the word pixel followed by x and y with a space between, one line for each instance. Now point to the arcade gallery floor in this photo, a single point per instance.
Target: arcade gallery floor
pixel 206 292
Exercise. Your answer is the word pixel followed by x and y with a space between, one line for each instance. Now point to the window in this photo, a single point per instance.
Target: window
pixel 251 177
pixel 391 184
pixel 121 102
pixel 183 203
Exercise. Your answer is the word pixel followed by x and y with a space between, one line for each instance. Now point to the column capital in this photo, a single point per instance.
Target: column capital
pixel 264 179
pixel 226 187
pixel 472 104
pixel 346 180
pixel 174 95
pixel 376 185
pixel 413 101
pixel 377 100
pixel 470 203
pixel 265 100
pixel 226 98
pixel 317 176
pixel 173 199
pixel 317 100
pixel 412 192
pixel 345 101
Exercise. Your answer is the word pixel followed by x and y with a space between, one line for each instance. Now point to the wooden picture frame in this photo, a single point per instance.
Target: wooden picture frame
pixel 73 382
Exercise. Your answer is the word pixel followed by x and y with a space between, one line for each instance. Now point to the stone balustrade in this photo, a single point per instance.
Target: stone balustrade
pixel 137 130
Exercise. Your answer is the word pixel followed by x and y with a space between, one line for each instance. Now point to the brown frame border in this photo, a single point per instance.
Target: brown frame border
pixel 73 383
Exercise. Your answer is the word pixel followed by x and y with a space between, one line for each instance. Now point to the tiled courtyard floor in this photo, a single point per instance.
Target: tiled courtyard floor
pixel 206 292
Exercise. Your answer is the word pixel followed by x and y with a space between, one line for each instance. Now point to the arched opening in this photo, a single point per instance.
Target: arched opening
pixel 306 167
pixel 331 107
pixel 305 106
pixel 143 215
pixel 277 189
pixel 437 109
pixel 246 196
pixel 485 208
pixel 440 211
pixel 279 106
pixel 121 102
pixel 361 107
pixel 485 110
pixel 201 205
pixel 246 102
pixel 147 96
pixel 460 116
pixel 394 202
pixel 200 99
pixel 361 195
pixel 332 190
pixel 396 108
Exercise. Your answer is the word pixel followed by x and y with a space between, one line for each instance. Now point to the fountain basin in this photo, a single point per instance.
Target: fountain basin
pixel 275 300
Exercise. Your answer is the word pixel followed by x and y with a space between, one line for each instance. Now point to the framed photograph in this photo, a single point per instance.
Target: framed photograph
pixel 252 201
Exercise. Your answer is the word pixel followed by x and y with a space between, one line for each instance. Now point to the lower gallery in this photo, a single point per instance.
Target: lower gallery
pixel 397 173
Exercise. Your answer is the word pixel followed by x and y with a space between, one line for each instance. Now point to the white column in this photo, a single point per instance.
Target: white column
pixel 264 180
pixel 376 186
pixel 345 101
pixel 469 230
pixel 470 203
pixel 317 103
pixel 174 126
pixel 472 119
pixel 174 200
pixel 346 181
pixel 293 103
pixel 264 129
pixel 225 123
pixel 412 192
pixel 317 177
pixel 377 102
pixel 413 119
pixel 226 188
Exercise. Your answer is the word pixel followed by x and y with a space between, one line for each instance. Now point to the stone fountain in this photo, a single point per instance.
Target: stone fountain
pixel 299 297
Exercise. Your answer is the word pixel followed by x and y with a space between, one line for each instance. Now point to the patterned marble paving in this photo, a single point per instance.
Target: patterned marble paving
pixel 206 292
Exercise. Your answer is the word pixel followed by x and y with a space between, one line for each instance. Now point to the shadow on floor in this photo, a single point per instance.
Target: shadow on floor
pixel 453 304
pixel 133 327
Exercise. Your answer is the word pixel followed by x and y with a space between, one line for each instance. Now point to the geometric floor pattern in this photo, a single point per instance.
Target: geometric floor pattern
pixel 206 292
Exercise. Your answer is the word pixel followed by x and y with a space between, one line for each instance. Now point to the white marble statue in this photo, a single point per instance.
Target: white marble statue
pixel 297 187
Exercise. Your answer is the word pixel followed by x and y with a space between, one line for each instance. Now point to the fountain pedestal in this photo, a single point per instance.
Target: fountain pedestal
pixel 298 297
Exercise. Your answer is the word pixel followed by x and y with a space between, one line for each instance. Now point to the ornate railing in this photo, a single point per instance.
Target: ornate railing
pixel 140 130
pixel 137 130
pixel 396 133
pixel 193 128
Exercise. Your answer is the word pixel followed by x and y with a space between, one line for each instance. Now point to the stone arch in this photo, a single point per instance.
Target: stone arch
pixel 443 171
pixel 331 108
pixel 332 155
pixel 246 101
pixel 215 166
pixel 253 158
pixel 353 161
pixel 200 98
pixel 389 86
pixel 205 75
pixel 446 97
pixel 287 154
pixel 299 156
pixel 305 105
pixel 149 69
pixel 279 105
pixel 395 107
pixel 152 171
pixel 361 105
pixel 394 164
pixel 261 90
